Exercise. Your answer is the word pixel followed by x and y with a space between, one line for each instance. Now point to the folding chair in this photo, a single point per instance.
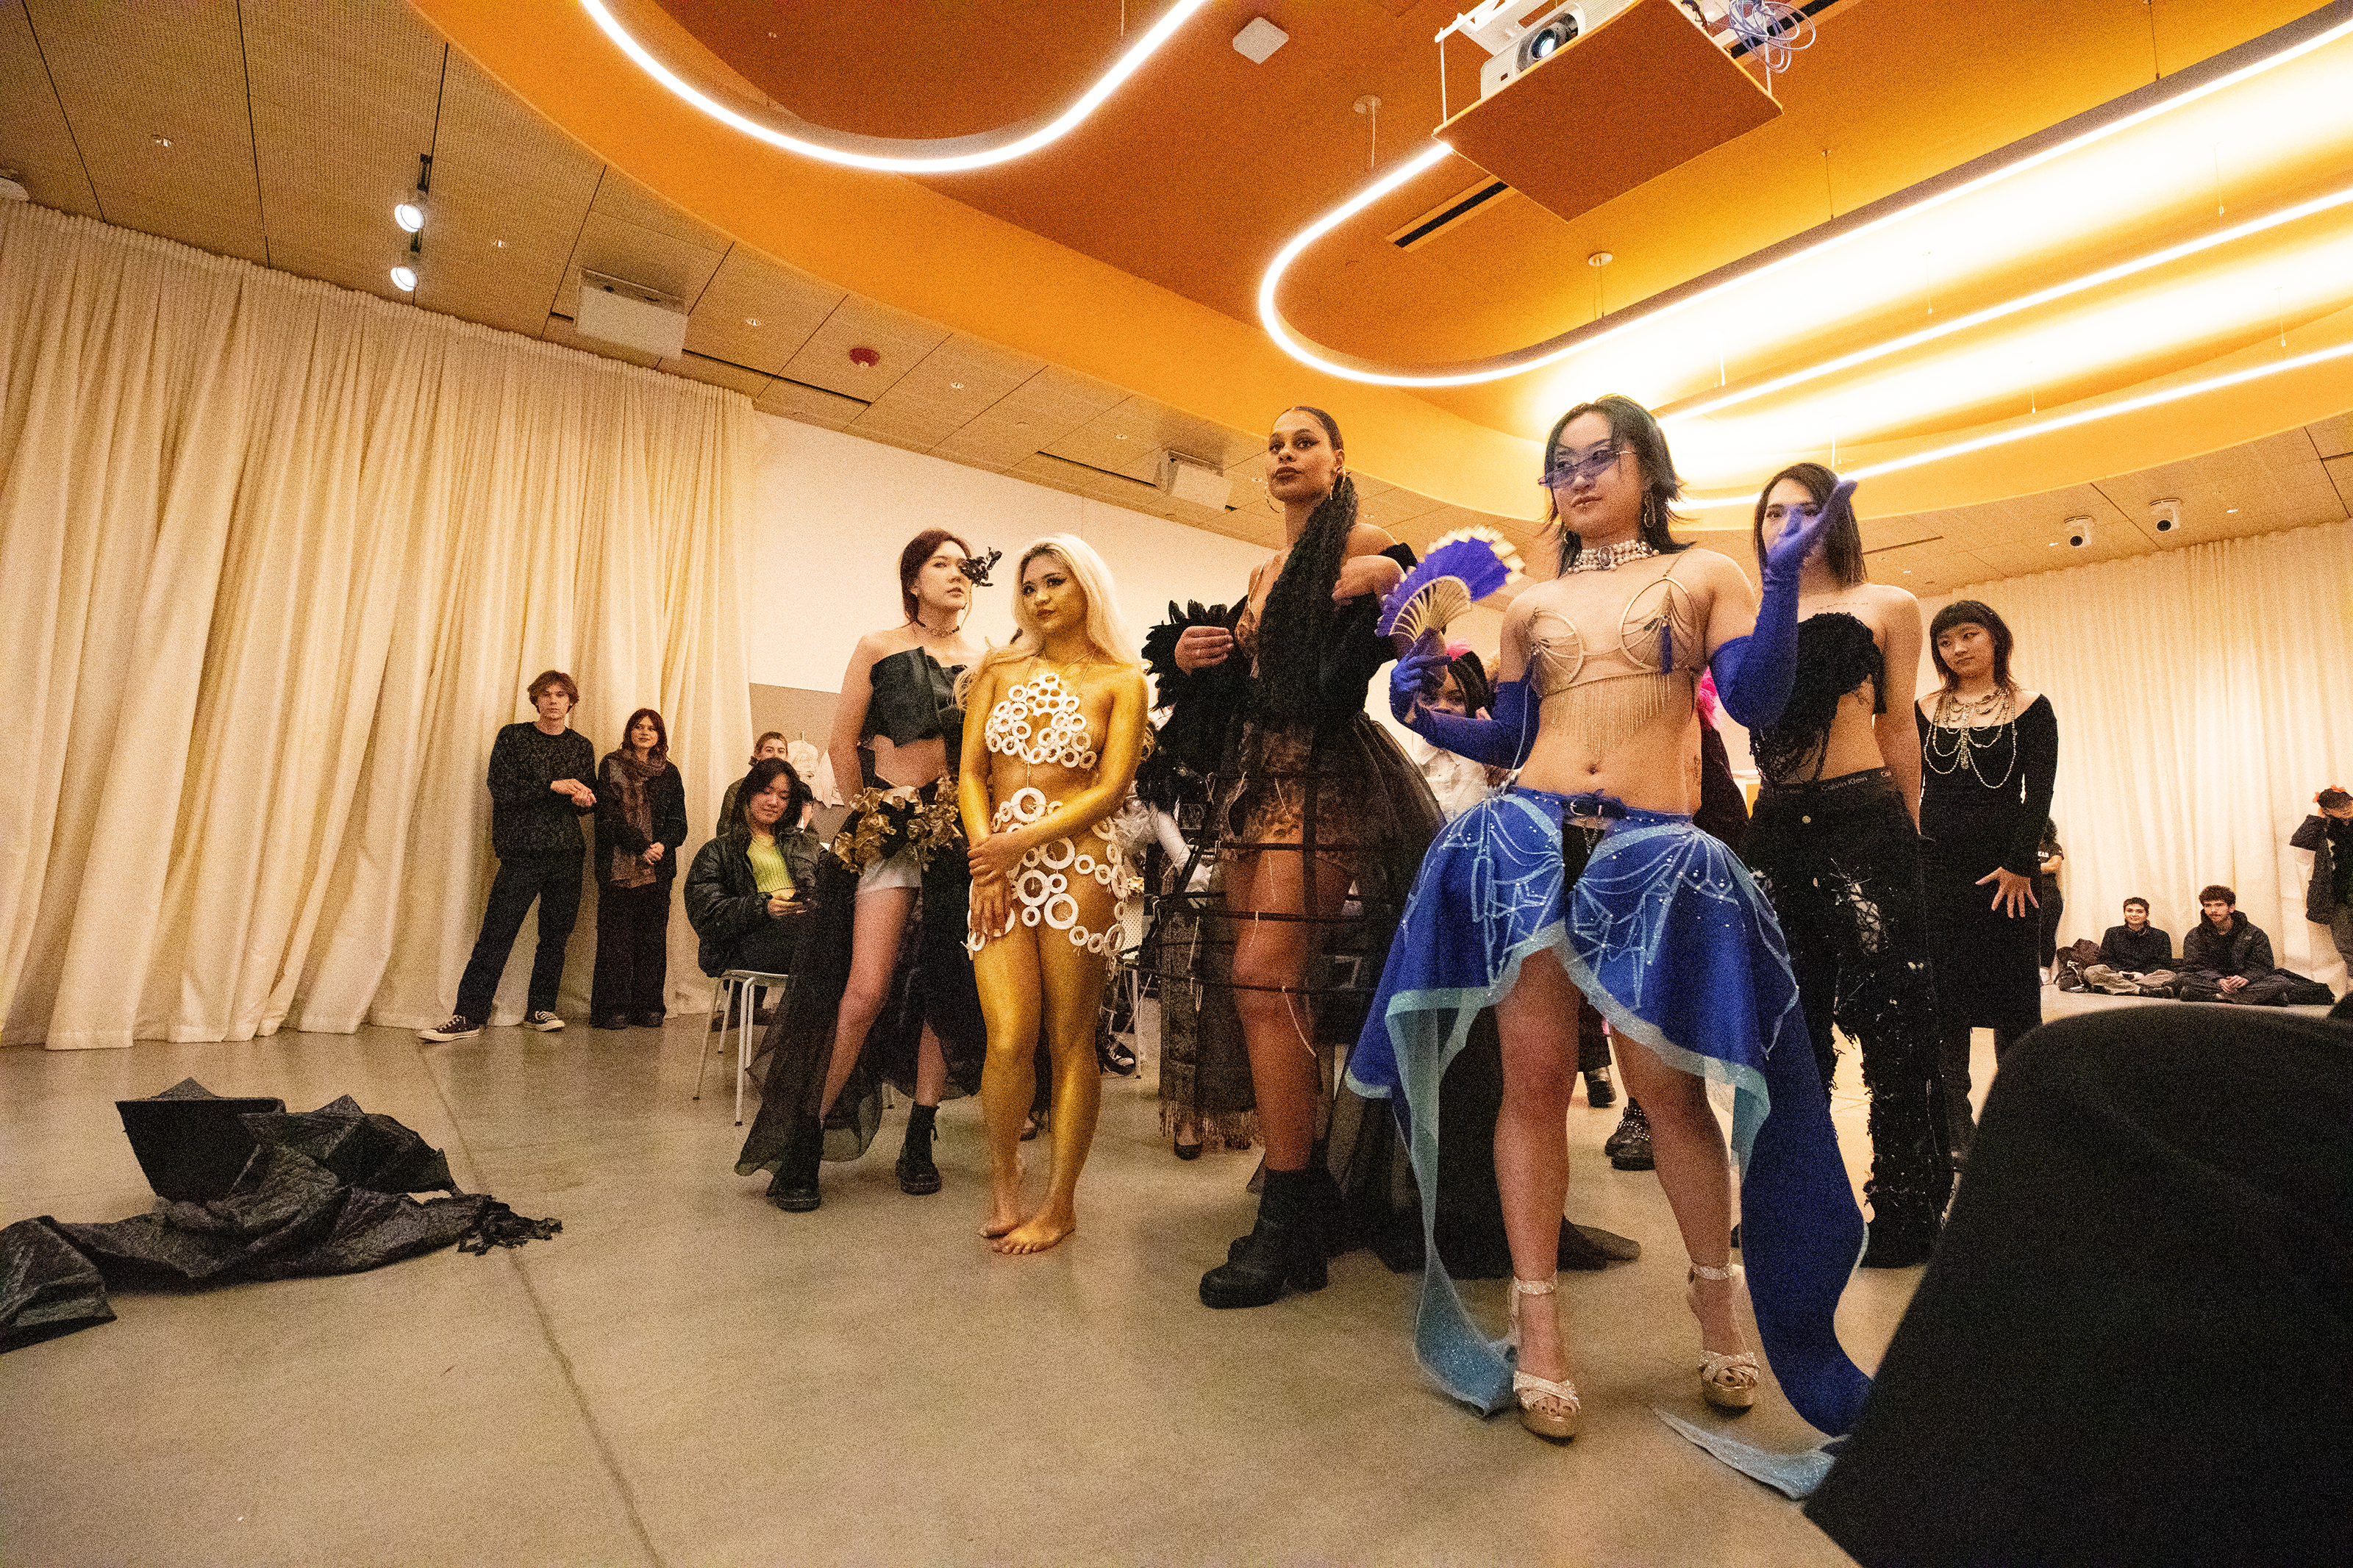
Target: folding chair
pixel 739 991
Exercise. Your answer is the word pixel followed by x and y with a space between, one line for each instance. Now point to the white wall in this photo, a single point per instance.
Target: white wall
pixel 831 513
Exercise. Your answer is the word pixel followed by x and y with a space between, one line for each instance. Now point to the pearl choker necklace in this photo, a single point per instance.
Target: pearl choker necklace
pixel 1609 557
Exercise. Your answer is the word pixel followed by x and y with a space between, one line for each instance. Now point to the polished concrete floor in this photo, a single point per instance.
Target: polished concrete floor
pixel 687 1375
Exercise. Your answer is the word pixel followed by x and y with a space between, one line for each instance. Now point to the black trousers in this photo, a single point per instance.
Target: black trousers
pixel 632 949
pixel 554 881
pixel 2205 985
pixel 1841 862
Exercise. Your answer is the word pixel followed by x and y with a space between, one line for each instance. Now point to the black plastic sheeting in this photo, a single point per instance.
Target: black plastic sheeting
pixel 325 1192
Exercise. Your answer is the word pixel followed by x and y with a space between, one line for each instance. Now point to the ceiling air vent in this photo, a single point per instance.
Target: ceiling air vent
pixel 1449 213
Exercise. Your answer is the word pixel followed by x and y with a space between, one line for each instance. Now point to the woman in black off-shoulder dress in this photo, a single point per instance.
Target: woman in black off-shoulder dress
pixel 1989 754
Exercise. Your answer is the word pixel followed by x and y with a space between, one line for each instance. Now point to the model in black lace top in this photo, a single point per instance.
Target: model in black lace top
pixel 1834 844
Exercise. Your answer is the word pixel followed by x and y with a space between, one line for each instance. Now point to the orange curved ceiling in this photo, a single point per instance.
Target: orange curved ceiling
pixel 1132 249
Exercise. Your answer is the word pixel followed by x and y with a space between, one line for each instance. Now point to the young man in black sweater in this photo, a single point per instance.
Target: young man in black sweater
pixel 537 798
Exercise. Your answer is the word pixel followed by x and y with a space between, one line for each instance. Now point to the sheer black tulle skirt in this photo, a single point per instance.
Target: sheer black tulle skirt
pixel 930 983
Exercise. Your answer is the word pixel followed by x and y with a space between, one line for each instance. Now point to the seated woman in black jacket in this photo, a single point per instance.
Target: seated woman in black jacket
pixel 749 887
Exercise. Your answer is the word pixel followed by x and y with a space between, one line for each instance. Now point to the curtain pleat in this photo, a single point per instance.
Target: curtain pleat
pixel 2201 702
pixel 276 562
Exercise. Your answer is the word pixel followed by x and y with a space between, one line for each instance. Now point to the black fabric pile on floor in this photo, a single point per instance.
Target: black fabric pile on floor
pixel 2131 1343
pixel 325 1192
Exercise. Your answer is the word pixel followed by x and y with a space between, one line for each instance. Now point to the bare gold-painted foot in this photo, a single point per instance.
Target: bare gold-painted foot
pixel 1037 1234
pixel 1004 1204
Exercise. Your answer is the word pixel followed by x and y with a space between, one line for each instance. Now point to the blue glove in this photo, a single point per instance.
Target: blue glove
pixel 1753 674
pixel 1418 675
pixel 1501 741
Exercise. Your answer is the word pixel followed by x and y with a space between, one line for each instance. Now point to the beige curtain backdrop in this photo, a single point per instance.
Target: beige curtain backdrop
pixel 2204 695
pixel 276 562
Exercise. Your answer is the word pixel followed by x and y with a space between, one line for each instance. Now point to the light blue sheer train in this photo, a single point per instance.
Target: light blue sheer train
pixel 1670 939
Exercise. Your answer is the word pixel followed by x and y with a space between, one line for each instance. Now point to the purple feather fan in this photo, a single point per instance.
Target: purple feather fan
pixel 1450 579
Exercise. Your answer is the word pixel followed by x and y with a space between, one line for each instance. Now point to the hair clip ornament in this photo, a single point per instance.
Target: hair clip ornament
pixel 977 567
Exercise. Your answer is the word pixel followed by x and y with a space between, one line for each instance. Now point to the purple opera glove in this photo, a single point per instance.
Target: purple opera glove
pixel 1418 675
pixel 1501 741
pixel 1753 674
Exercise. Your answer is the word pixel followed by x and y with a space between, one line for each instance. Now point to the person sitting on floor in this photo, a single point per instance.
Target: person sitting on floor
pixel 2229 959
pixel 2136 958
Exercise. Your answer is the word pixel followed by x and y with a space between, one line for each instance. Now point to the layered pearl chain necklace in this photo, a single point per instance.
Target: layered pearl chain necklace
pixel 1609 557
pixel 1950 746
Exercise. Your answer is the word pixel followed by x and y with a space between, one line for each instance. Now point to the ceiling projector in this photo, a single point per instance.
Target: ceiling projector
pixel 1519 41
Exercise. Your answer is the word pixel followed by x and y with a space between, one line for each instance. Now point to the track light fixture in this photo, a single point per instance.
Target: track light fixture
pixel 404 271
pixel 410 213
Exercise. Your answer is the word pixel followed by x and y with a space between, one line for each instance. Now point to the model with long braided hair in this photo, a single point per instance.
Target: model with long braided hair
pixel 1319 823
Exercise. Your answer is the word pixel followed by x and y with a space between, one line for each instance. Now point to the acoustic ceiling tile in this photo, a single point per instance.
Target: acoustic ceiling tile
pixel 222 234
pixel 809 405
pixel 787 304
pixel 1394 506
pixel 900 342
pixel 2279 482
pixel 2340 473
pixel 619 196
pixel 35 138
pixel 718 373
pixel 2332 438
pixel 339 268
pixel 1055 402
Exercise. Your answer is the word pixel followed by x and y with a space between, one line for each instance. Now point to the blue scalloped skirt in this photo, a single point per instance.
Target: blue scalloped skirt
pixel 1666 934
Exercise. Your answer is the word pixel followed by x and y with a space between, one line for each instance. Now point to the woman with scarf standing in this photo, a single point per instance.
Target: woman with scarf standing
pixel 640 823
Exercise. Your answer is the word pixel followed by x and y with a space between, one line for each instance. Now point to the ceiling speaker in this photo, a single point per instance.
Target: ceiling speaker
pixel 629 315
pixel 1190 478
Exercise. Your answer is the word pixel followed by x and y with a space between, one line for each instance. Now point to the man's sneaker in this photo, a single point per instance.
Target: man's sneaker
pixel 458 1028
pixel 544 1021
pixel 1629 1148
pixel 1599 1092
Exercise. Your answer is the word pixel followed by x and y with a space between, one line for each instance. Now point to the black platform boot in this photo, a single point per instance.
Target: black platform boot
pixel 1286 1249
pixel 917 1174
pixel 794 1187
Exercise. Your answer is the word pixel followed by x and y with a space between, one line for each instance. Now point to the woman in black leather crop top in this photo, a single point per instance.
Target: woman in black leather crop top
pixel 1320 821
pixel 1833 844
pixel 900 856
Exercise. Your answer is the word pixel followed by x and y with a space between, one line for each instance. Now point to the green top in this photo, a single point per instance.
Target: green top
pixel 768 866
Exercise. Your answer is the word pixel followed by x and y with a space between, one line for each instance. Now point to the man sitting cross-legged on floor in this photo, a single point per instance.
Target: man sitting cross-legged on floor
pixel 2136 958
pixel 2229 959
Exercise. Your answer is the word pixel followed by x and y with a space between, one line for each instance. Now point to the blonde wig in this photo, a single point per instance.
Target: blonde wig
pixel 1106 629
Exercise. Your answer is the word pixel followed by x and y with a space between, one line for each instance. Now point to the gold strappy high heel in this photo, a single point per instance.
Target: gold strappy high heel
pixel 1727 1381
pixel 1557 1416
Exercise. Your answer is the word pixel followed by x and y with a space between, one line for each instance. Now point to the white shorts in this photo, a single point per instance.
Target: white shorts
pixel 901 871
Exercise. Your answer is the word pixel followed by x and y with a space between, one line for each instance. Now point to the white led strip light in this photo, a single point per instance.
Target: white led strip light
pixel 2012 307
pixel 1519 362
pixel 893 155
pixel 2059 422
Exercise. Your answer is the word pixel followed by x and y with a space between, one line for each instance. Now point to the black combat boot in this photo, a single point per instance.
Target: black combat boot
pixel 1286 1249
